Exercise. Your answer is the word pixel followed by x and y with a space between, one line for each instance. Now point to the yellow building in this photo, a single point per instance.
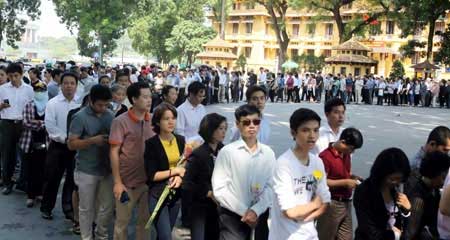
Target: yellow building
pixel 218 53
pixel 248 28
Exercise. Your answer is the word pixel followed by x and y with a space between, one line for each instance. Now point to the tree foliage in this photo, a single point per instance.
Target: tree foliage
pixel 310 62
pixel 99 23
pixel 241 61
pixel 12 21
pixel 356 26
pixel 397 71
pixel 443 55
pixel 187 39
pixel 409 49
pixel 418 14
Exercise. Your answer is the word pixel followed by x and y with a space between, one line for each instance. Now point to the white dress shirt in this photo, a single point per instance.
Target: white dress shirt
pixel 262 78
pixel 56 117
pixel 188 121
pixel 326 136
pixel 18 97
pixel 242 180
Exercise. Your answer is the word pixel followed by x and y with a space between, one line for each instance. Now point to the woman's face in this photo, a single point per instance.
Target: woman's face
pixel 171 96
pixel 32 75
pixel 219 134
pixel 167 122
pixel 119 96
pixel 393 180
pixel 3 77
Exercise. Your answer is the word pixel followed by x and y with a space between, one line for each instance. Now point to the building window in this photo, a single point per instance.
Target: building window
pixel 390 27
pixel 294 52
pixel 329 29
pixel 236 6
pixel 247 52
pixel 311 29
pixel 235 28
pixel 347 18
pixel 248 28
pixel 310 52
pixel 439 27
pixel 295 29
pixel 327 53
pixel 416 58
pixel 357 71
pixel 250 5
pixel 343 70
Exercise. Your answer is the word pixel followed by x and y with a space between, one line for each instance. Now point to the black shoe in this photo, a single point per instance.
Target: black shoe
pixel 21 187
pixel 69 216
pixel 7 190
pixel 76 228
pixel 46 215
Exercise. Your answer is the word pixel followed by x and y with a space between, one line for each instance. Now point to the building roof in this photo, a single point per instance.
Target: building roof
pixel 352 45
pixel 214 54
pixel 217 42
pixel 350 58
pixel 425 65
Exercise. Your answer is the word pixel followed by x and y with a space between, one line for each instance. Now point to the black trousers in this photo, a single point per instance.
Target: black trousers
pixel 204 222
pixel 297 94
pixel 35 172
pixel 9 133
pixel 59 160
pixel 231 227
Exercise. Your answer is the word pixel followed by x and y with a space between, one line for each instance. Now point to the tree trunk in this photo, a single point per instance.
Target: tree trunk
pixel 340 24
pixel 431 24
pixel 283 53
pixel 222 20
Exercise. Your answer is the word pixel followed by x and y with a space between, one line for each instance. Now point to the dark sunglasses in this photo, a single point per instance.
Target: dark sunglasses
pixel 247 122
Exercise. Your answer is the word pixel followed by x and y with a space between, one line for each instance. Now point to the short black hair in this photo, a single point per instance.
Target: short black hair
pixel 14 68
pixel 251 90
pixel 246 110
pixel 352 137
pixel 159 112
pixel 134 90
pixel 434 164
pixel 122 73
pixel 209 124
pixel 440 135
pixel 301 116
pixel 103 76
pixel 56 72
pixel 36 72
pixel 389 161
pixel 100 92
pixel 334 102
pixel 70 74
pixel 165 90
pixel 196 87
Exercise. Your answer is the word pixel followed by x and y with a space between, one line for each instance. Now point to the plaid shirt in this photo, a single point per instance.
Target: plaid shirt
pixel 29 126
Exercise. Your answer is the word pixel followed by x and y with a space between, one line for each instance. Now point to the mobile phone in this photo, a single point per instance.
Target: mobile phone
pixel 124 198
pixel 6 101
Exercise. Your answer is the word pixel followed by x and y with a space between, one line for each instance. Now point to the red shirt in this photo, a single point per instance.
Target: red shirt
pixel 338 166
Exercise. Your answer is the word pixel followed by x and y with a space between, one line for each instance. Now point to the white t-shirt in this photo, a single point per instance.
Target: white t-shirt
pixel 296 184
pixel 444 221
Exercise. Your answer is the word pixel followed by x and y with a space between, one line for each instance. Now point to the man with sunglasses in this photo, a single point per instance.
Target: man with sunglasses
pixel 242 179
pixel 256 96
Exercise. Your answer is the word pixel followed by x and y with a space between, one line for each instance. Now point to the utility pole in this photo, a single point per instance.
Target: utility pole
pixel 222 20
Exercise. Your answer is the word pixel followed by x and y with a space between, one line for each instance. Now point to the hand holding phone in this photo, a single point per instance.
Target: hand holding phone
pixel 124 198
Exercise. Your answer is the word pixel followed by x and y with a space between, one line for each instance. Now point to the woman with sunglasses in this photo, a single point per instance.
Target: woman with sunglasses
pixel 381 206
pixel 241 179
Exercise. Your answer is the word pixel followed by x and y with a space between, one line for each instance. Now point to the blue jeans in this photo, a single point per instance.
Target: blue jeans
pixel 165 220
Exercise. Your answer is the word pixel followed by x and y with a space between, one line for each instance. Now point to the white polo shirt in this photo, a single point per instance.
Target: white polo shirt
pixel 326 136
pixel 188 121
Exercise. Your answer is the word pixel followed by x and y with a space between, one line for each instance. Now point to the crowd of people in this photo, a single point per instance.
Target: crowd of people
pixel 120 141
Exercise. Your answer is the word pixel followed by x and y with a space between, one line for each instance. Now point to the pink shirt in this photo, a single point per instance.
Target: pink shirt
pixel 444 221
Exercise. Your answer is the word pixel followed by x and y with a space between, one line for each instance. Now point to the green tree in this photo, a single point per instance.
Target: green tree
pixel 241 61
pixel 310 62
pixel 187 39
pixel 277 12
pixel 409 49
pixel 418 14
pixel 12 22
pixel 443 55
pixel 347 29
pixel 397 70
pixel 99 23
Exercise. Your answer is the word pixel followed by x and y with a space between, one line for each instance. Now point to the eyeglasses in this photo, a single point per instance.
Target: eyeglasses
pixel 247 122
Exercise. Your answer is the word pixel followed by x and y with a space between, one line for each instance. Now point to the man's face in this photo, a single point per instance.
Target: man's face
pixel 249 126
pixel 124 81
pixel 144 101
pixel 69 86
pixel 336 117
pixel 433 147
pixel 100 106
pixel 197 99
pixel 258 99
pixel 84 74
pixel 307 134
pixel 15 77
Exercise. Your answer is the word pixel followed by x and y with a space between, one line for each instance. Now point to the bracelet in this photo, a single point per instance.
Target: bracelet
pixel 170 173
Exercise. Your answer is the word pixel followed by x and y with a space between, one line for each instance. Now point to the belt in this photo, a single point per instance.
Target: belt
pixel 12 121
pixel 341 199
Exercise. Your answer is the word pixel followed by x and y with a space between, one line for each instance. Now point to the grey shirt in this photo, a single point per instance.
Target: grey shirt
pixel 94 159
pixel 53 89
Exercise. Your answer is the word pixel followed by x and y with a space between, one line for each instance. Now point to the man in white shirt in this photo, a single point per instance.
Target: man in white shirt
pixel 331 131
pixel 262 77
pixel 359 84
pixel 256 96
pixel 86 82
pixel 14 95
pixel 191 112
pixel 297 84
pixel 60 159
pixel 242 180
pixel 222 82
